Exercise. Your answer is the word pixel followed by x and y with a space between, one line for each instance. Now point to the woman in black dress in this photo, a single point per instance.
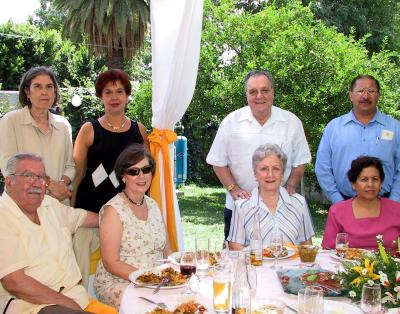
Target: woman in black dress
pixel 97 146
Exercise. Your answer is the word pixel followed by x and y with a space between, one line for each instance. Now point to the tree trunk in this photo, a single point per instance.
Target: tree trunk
pixel 115 60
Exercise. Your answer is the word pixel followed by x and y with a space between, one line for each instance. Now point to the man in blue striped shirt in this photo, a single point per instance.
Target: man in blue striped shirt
pixel 363 131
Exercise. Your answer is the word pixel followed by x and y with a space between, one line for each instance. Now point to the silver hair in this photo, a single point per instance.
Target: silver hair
pixel 256 73
pixel 13 161
pixel 267 150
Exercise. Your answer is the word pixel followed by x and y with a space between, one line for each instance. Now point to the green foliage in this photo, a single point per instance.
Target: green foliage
pixel 48 17
pixel 26 46
pixel 379 18
pixel 312 65
pixel 114 29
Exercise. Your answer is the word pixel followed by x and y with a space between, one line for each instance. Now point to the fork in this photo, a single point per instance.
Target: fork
pixel 160 304
pixel 163 282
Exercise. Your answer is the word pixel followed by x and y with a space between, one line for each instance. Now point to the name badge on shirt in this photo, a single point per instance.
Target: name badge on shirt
pixel 387 135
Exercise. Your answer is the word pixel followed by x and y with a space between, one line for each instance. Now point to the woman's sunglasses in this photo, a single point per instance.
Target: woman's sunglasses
pixel 135 171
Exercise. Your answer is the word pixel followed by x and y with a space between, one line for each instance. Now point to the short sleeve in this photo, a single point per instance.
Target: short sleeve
pixel 218 154
pixel 71 217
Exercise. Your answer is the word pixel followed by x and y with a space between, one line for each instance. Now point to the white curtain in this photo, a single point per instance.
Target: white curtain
pixel 175 36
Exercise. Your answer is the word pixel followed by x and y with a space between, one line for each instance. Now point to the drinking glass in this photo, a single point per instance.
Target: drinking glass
pixel 371 299
pixel 276 247
pixel 342 244
pixel 188 268
pixel 311 300
pixel 252 276
pixel 202 256
pixel 222 287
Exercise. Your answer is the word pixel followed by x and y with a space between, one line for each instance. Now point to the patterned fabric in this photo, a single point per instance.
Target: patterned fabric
pixel 142 243
pixel 292 217
pixel 100 183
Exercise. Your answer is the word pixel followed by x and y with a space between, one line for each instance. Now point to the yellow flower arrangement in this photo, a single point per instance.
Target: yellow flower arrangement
pixel 375 267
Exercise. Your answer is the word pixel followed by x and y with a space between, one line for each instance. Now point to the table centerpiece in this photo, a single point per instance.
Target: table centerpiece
pixel 381 267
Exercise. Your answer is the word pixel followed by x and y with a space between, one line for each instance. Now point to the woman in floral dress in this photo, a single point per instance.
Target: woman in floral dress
pixel 132 230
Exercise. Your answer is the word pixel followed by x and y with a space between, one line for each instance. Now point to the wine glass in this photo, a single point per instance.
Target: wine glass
pixel 371 299
pixel 342 244
pixel 188 268
pixel 276 247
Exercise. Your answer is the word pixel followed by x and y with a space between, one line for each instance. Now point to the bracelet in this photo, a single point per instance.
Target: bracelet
pixel 230 187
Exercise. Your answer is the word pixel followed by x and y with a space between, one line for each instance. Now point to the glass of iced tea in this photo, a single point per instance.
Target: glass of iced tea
pixel 342 244
pixel 222 288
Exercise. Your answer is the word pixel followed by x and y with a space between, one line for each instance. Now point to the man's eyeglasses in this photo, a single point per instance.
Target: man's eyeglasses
pixel 135 171
pixel 263 92
pixel 370 92
pixel 31 177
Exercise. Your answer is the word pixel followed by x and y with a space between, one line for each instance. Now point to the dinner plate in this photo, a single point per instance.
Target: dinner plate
pixel 134 275
pixel 337 307
pixel 338 258
pixel 290 251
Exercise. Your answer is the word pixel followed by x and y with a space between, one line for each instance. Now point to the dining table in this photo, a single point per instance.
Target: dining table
pixel 268 287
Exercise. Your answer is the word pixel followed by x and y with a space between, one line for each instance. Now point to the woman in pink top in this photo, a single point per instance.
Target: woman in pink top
pixel 367 214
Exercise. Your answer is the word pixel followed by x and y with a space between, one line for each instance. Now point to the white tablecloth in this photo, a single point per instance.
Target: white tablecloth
pixel 268 285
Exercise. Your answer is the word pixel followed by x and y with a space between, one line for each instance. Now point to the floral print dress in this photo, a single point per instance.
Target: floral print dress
pixel 142 243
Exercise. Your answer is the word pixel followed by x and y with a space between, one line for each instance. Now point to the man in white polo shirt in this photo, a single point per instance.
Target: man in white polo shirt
pixel 243 130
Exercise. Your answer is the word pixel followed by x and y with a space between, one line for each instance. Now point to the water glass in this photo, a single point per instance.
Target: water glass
pixel 276 247
pixel 371 299
pixel 222 287
pixel 202 256
pixel 311 300
pixel 252 276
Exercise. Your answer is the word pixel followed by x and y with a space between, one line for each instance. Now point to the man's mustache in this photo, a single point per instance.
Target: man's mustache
pixel 35 190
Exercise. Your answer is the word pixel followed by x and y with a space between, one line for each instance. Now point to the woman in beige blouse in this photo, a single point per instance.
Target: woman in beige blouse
pixel 132 230
pixel 35 129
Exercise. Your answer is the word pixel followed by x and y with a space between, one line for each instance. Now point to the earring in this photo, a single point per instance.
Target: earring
pixel 123 180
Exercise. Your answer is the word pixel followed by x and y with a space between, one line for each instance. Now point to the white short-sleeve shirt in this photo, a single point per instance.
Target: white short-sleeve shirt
pixel 239 134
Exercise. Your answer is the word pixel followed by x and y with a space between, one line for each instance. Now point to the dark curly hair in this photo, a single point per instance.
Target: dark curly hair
pixel 362 162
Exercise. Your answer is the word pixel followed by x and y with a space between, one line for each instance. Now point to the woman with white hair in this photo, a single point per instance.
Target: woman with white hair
pixel 275 207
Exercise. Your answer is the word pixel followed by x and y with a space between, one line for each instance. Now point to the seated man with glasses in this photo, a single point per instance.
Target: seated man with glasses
pixel 363 131
pixel 38 270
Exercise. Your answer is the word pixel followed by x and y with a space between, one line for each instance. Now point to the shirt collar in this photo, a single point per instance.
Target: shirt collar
pixel 27 118
pixel 276 115
pixel 351 117
pixel 10 205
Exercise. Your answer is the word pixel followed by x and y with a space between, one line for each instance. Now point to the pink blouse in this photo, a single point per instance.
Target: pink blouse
pixel 363 231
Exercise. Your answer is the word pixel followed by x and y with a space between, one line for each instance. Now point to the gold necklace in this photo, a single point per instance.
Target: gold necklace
pixel 116 127
pixel 132 201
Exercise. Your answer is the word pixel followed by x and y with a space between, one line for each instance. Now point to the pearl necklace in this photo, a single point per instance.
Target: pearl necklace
pixel 133 202
pixel 116 127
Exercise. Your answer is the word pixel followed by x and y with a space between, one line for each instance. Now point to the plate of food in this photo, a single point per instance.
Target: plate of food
pixel 189 307
pixel 286 253
pixel 151 278
pixel 292 280
pixel 351 255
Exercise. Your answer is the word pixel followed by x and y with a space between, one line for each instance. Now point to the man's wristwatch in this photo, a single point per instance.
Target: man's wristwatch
pixel 230 187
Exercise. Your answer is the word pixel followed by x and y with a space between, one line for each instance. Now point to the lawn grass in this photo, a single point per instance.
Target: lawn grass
pixel 202 213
